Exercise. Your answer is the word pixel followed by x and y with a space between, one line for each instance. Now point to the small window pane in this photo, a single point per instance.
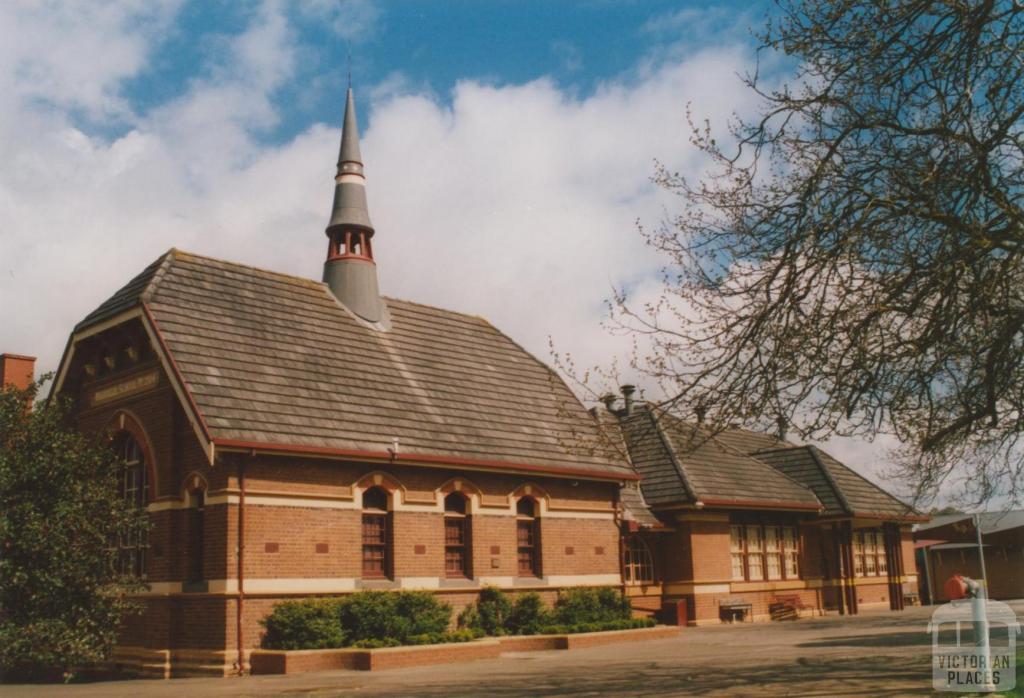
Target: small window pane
pixel 754 543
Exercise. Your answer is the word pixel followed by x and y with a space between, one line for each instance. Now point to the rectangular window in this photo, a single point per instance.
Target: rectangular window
pixel 375 546
pixel 736 550
pixel 526 542
pixel 755 553
pixel 759 552
pixel 455 557
pixel 773 552
pixel 792 552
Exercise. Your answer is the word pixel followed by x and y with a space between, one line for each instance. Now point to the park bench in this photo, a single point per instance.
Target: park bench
pixel 786 607
pixel 911 597
pixel 732 608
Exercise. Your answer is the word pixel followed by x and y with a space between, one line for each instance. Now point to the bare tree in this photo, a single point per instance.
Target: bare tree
pixel 852 265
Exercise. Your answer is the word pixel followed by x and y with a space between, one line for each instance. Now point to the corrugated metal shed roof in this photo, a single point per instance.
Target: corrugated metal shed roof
pixel 275 359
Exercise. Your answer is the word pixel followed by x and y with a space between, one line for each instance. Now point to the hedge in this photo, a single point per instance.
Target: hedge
pixel 377 618
pixel 575 611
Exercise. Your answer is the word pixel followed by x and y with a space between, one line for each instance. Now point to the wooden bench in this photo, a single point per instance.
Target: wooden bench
pixel 786 607
pixel 911 597
pixel 733 607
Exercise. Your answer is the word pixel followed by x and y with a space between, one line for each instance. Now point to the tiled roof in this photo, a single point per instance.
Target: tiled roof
pixel 680 463
pixel 275 359
pixel 839 488
pixel 635 506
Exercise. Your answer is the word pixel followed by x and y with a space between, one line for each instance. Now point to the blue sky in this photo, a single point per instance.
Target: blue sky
pixel 434 45
pixel 509 150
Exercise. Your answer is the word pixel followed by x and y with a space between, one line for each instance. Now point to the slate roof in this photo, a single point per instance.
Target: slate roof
pixel 680 464
pixel 275 359
pixel 840 489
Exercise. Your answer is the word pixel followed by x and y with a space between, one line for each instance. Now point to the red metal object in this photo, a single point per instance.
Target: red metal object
pixel 955 588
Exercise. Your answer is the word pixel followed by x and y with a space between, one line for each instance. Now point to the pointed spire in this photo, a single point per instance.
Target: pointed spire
pixel 350 207
pixel 350 271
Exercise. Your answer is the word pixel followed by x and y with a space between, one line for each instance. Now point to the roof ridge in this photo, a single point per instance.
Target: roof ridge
pixel 184 254
pixel 162 263
pixel 880 489
pixel 688 485
pixel 840 495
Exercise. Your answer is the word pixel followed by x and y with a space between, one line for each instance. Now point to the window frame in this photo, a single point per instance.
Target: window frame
pixel 530 524
pixel 133 488
pixel 869 553
pixel 637 557
pixel 378 521
pixel 753 544
pixel 460 549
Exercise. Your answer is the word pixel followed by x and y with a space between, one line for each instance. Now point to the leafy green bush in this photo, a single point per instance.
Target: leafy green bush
pixel 376 615
pixel 528 614
pixel 575 606
pixel 364 619
pixel 439 638
pixel 62 599
pixel 620 624
pixel 489 613
pixel 376 643
pixel 309 624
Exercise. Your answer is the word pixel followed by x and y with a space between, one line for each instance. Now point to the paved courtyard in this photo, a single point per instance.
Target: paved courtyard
pixel 874 654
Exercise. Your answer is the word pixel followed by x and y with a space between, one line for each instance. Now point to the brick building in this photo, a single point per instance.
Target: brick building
pixel 745 524
pixel 947 546
pixel 290 437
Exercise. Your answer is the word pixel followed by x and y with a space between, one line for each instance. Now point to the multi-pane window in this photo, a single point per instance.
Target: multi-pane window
pixel 869 553
pixel 456 536
pixel 376 534
pixel 638 566
pixel 527 538
pixel 764 552
pixel 133 543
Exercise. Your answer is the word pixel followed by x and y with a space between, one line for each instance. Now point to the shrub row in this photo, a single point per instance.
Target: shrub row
pixel 390 618
pixel 372 619
pixel 597 609
pixel 621 624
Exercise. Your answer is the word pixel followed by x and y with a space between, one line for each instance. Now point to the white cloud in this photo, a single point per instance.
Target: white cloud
pixel 517 203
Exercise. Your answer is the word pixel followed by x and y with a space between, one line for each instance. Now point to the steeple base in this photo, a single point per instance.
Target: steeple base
pixel 354 283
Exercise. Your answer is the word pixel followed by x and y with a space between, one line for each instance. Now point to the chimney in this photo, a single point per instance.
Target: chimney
pixel 608 399
pixel 783 425
pixel 17 371
pixel 627 396
pixel 701 412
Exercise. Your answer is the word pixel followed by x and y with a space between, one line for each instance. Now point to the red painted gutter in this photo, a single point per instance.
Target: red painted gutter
pixel 418 458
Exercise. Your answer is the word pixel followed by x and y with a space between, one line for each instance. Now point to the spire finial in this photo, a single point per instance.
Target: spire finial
pixel 348 50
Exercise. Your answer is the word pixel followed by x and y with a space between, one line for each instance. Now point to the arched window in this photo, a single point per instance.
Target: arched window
pixel 457 536
pixel 376 534
pixel 134 486
pixel 637 563
pixel 528 537
pixel 196 534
